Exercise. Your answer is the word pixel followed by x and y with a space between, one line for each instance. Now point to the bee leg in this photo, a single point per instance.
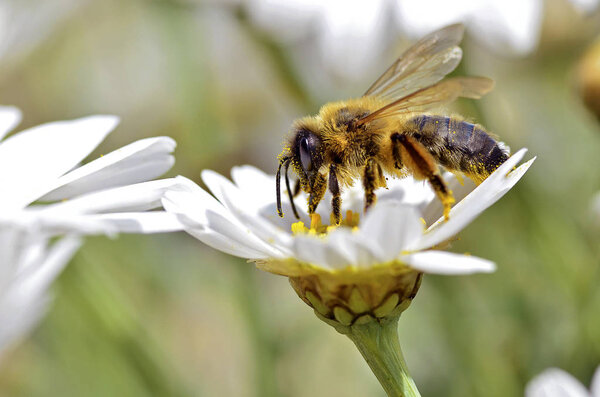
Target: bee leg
pixel 336 201
pixel 423 166
pixel 370 178
pixel 316 193
pixel 289 190
pixel 296 188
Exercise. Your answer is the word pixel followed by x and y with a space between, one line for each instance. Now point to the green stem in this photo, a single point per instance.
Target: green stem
pixel 379 345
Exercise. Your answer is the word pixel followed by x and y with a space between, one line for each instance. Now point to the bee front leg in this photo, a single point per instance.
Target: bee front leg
pixel 370 177
pixel 317 192
pixel 297 189
pixel 336 201
pixel 423 166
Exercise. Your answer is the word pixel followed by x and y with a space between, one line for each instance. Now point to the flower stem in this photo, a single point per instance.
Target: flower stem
pixel 379 345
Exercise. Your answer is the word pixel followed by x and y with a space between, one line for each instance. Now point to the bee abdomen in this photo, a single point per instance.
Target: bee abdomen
pixel 459 145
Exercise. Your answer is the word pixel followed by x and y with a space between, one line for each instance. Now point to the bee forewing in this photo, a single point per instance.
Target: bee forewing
pixel 423 64
pixel 433 96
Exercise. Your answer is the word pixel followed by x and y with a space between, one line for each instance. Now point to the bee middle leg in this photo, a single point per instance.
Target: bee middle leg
pixel 423 166
pixel 371 179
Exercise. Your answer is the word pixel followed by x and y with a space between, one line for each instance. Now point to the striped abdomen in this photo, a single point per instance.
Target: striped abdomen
pixel 458 145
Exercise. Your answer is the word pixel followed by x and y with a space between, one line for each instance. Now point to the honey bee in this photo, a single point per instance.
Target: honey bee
pixel 387 132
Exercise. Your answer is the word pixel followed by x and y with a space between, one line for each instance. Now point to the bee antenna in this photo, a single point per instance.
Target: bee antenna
pixel 278 186
pixel 289 190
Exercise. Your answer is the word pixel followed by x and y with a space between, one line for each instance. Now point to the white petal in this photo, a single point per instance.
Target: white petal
pixel 408 191
pixel 510 27
pixel 448 263
pixel 215 182
pixel 254 183
pixel 433 210
pixel 31 160
pixel 141 222
pixel 222 187
pixel 353 248
pixel 486 194
pixel 206 219
pixel 10 117
pixel 317 251
pixel 138 197
pixel 56 224
pixel 349 25
pixel 17 319
pixel 139 161
pixel 27 300
pixel 585 6
pixel 225 244
pixel 190 199
pixel 247 210
pixel 251 180
pixel 595 386
pixel 555 382
pixel 10 251
pixel 390 227
pixel 40 278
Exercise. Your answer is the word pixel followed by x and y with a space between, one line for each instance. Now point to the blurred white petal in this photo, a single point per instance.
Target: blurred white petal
pixel 585 6
pixel 10 117
pixel 595 386
pixel 31 160
pixel 23 303
pixel 510 27
pixel 24 24
pixel 138 197
pixel 33 248
pixel 348 26
pixel 33 280
pixel 140 222
pixel 139 161
pixel 555 382
pixel 448 263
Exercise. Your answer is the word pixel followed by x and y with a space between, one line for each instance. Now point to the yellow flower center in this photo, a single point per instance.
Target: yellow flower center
pixel 317 228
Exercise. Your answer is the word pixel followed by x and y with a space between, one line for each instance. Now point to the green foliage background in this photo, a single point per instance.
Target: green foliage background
pixel 167 316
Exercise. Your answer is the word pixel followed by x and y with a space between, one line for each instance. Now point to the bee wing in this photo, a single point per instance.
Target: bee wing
pixel 433 96
pixel 423 64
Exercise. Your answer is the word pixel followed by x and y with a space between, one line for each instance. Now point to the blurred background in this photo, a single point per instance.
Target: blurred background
pixel 167 316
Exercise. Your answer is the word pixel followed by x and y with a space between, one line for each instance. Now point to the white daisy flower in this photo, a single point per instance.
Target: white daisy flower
pixel 338 27
pixel 47 200
pixel 25 24
pixel 510 27
pixel 389 248
pixel 555 382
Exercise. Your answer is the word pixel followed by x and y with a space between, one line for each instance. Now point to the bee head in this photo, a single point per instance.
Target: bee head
pixel 307 156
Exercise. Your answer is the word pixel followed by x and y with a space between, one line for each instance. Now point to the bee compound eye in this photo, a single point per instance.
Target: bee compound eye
pixel 305 156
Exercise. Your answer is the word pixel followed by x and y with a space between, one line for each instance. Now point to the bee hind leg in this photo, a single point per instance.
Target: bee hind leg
pixel 336 201
pixel 423 166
